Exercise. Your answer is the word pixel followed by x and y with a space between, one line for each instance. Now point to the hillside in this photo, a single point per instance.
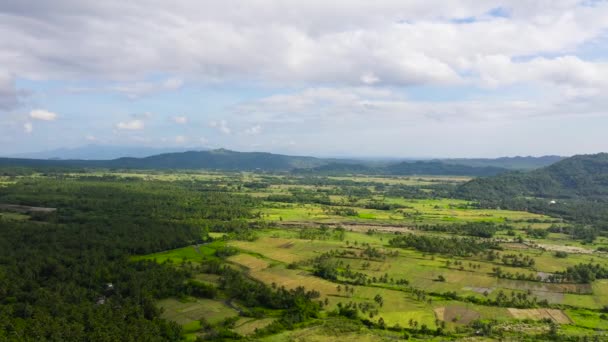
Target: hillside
pixel 511 163
pixel 406 168
pixel 582 176
pixel 575 188
pixel 214 160
pixel 440 168
pixel 98 152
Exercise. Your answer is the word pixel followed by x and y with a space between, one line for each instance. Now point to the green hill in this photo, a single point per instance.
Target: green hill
pixel 582 176
pixel 227 160
pixel 511 163
pixel 220 159
pixel 575 188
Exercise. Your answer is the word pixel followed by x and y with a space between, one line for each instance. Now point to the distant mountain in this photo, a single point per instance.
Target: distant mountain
pixel 220 159
pixel 99 152
pixel 575 189
pixel 511 163
pixel 440 168
pixel 579 176
pixel 340 168
pixel 406 168
pixel 223 159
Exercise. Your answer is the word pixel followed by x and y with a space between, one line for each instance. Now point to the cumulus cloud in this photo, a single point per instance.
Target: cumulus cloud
pixel 132 125
pixel 43 115
pixel 28 127
pixel 368 107
pixel 221 125
pixel 182 120
pixel 349 66
pixel 356 42
pixel 180 139
pixel 254 130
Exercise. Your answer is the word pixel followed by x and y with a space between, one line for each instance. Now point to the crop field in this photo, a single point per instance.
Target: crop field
pixel 307 227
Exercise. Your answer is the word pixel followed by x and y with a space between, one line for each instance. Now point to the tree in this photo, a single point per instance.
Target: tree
pixel 378 299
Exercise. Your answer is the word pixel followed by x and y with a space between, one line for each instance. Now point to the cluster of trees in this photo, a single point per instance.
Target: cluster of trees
pixel 581 273
pixel 301 196
pixel 327 267
pixel 518 260
pixel 451 246
pixel 500 273
pixel 586 233
pixel 537 233
pixel 340 211
pixel 68 275
pixel 322 233
pixel 515 299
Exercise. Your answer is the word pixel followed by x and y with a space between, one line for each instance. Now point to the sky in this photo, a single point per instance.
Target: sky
pixel 398 78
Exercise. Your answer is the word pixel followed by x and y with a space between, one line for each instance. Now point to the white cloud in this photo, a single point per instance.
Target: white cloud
pixel 138 89
pixel 182 120
pixel 566 70
pixel 91 138
pixel 348 43
pixel 254 130
pixel 221 125
pixel 43 114
pixel 133 125
pixel 204 141
pixel 28 127
pixel 180 139
pixel 367 108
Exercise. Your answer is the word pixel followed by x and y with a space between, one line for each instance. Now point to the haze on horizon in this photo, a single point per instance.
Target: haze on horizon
pixel 343 78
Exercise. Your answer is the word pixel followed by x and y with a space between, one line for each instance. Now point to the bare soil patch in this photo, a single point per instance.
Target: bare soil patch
pixel 457 314
pixel 557 316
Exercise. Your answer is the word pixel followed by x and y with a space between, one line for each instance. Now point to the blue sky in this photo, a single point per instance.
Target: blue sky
pixel 354 78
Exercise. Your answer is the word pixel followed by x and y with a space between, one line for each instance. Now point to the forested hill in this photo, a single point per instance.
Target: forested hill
pixel 511 163
pixel 582 176
pixel 226 160
pixel 440 168
pixel 575 188
pixel 220 159
pixel 406 168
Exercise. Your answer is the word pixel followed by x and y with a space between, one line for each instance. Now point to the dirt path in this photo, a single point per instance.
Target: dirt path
pixel 355 227
pixel 25 208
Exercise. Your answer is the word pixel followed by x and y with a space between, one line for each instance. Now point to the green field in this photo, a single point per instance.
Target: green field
pixel 102 254
pixel 457 290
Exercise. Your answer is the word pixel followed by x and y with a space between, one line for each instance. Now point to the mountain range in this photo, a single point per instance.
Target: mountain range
pixel 222 159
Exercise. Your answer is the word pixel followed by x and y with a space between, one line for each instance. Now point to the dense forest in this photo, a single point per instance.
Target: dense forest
pixel 66 275
pixel 575 188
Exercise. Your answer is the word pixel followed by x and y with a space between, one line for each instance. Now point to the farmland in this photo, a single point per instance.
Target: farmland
pixel 366 255
pixel 344 216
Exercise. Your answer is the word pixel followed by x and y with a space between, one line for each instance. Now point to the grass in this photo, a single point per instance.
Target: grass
pixel 190 253
pixel 273 253
pixel 188 311
pixel 247 326
pixel 434 211
pixel 14 216
pixel 266 259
